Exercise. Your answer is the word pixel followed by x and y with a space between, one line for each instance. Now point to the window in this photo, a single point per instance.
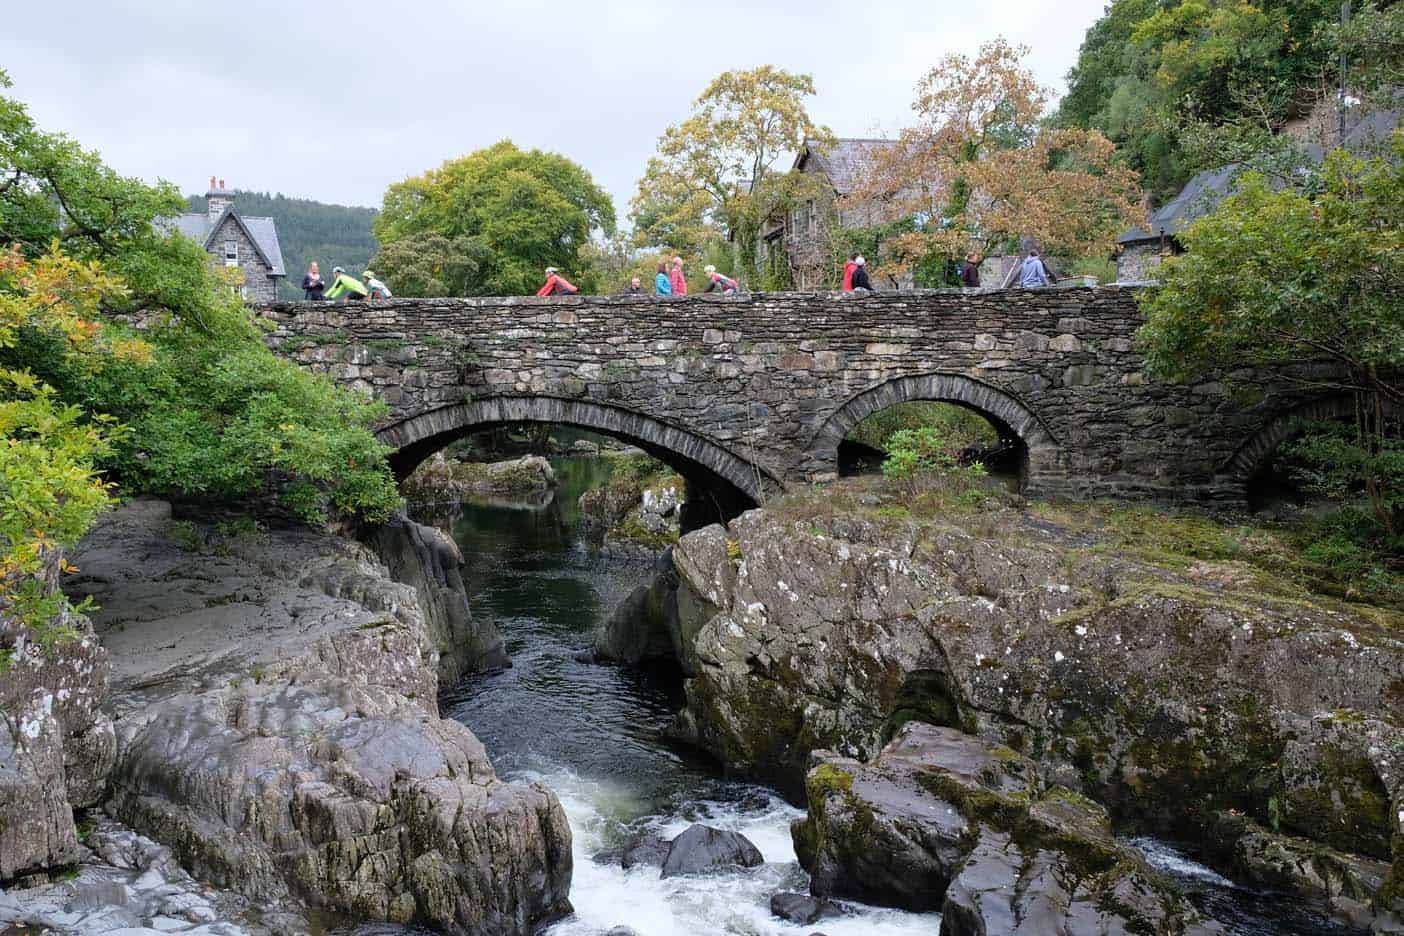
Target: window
pixel 811 220
pixel 231 253
pixel 244 293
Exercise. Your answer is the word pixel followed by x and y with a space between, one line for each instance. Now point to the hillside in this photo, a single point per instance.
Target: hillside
pixel 333 235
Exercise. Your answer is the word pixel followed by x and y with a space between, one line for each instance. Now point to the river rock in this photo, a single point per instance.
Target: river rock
pixel 128 883
pixel 800 908
pixel 1170 696
pixel 701 848
pixel 440 479
pixel 649 849
pixel 1006 889
pixel 56 745
pixel 931 824
pixel 644 626
pixel 277 727
pixel 429 560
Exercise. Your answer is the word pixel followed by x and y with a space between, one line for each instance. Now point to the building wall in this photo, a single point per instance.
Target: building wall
pixel 1138 262
pixel 769 377
pixel 258 285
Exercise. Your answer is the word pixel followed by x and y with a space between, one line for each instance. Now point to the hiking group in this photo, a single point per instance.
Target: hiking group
pixel 343 288
pixel 1032 273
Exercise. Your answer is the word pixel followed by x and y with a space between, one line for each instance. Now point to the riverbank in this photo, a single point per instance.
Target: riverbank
pixel 1195 695
pixel 273 696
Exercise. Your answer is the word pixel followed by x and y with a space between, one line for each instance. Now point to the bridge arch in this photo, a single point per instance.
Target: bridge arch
pixel 1240 467
pixel 697 459
pixel 1011 418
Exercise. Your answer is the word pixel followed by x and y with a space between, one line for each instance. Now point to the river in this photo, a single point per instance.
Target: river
pixel 594 735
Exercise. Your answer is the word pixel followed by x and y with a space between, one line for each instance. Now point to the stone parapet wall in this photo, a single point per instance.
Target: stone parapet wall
pixel 760 388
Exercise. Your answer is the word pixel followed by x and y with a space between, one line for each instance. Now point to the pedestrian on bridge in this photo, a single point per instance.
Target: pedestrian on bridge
pixel 312 284
pixel 676 278
pixel 345 288
pixel 848 269
pixel 719 281
pixel 557 285
pixel 861 283
pixel 635 287
pixel 1033 273
pixel 662 283
pixel 378 290
pixel 970 275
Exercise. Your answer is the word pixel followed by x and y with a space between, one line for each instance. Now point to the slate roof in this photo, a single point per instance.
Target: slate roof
pixel 261 231
pixel 1205 190
pixel 845 162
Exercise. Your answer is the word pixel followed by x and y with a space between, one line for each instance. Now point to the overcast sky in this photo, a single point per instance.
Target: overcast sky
pixel 336 100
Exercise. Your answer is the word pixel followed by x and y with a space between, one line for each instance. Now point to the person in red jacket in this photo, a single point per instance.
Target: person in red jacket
pixel 556 285
pixel 719 281
pixel 676 278
pixel 848 269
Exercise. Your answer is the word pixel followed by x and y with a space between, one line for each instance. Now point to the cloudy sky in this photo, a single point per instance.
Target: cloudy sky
pixel 335 100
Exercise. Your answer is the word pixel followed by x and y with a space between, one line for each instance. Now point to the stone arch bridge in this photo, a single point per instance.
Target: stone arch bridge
pixel 752 393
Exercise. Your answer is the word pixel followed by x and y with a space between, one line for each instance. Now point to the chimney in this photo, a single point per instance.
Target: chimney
pixel 217 200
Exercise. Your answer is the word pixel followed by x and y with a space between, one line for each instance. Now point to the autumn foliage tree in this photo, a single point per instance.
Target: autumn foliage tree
pixel 980 171
pixel 713 176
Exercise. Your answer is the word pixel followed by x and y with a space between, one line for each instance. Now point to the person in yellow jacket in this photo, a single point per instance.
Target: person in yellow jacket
pixel 344 288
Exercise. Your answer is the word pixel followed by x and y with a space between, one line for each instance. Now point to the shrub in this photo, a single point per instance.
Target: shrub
pixel 962 427
pixel 925 460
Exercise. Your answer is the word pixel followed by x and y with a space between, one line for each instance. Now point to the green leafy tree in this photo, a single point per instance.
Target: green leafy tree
pixel 428 265
pixel 208 408
pixel 706 181
pixel 1149 67
pixel 528 209
pixel 1278 276
pixel 50 490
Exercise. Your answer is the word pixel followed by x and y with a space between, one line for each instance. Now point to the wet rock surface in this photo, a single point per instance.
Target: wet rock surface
pixel 56 744
pixel 1171 698
pixel 275 702
pixel 130 883
pixel 429 561
pixel 800 908
pixel 941 821
pixel 701 848
pixel 442 479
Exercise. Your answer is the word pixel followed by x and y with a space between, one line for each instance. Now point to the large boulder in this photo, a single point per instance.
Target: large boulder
pixel 941 821
pixel 277 727
pixel 445 480
pixel 349 793
pixel 644 626
pixel 56 744
pixel 700 849
pixel 1169 695
pixel 429 560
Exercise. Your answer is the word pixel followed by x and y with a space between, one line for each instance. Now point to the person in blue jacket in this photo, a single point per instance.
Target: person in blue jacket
pixel 662 285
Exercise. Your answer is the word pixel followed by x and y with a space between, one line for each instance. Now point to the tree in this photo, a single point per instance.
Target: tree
pixel 1148 67
pixel 507 212
pixel 50 490
pixel 207 409
pixel 434 265
pixel 1278 276
pixel 703 184
pixel 979 171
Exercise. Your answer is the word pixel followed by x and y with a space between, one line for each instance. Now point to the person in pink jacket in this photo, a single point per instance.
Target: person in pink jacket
pixel 679 283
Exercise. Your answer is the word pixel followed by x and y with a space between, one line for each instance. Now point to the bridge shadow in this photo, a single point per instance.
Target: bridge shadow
pixel 721 484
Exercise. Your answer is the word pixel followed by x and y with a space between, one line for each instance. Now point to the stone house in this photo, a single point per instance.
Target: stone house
pixel 803 233
pixel 236 240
